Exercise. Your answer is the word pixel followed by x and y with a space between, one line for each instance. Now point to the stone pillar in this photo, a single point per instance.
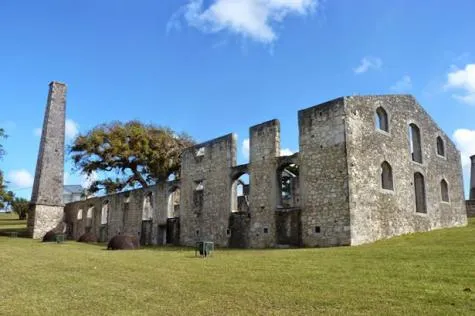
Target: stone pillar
pixel 263 187
pixel 472 178
pixel 47 208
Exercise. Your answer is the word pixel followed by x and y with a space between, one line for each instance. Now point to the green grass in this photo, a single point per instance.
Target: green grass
pixel 9 223
pixel 411 275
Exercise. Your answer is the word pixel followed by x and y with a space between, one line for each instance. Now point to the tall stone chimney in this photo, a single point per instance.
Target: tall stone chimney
pixel 472 178
pixel 47 208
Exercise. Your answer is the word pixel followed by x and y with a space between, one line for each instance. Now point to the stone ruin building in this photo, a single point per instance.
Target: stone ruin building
pixel 368 168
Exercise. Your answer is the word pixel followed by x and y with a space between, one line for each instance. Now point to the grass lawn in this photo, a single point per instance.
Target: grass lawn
pixel 427 273
pixel 9 223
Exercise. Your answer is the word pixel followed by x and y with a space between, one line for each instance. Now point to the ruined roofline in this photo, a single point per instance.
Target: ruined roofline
pixel 418 105
pixel 210 142
pixel 274 122
pixel 126 192
pixel 57 83
pixel 169 183
pixel 320 107
pixel 328 104
pixel 405 95
pixel 331 102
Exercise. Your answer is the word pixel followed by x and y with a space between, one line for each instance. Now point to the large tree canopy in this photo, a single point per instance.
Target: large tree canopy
pixel 137 153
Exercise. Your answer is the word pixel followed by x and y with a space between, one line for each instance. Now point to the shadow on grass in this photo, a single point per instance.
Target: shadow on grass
pixel 18 232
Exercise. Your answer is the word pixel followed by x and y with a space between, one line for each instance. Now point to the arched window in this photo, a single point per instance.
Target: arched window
pixel 386 176
pixel 420 193
pixel 444 190
pixel 288 181
pixel 382 119
pixel 415 142
pixel 198 197
pixel 105 212
pixel 89 216
pixel 79 217
pixel 173 209
pixel 440 146
pixel 147 209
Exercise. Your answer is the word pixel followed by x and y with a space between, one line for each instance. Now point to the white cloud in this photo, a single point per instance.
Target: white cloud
pixel 21 178
pixel 245 148
pixel 404 84
pixel 37 132
pixel 465 141
pixel 463 79
pixel 286 152
pixel 248 18
pixel 368 63
pixel 71 129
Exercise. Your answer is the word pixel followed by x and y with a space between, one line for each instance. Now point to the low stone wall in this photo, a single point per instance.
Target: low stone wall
pixel 470 204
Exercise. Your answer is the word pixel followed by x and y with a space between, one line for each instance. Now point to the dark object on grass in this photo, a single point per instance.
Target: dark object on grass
pixel 50 236
pixel 87 238
pixel 122 242
pixel 467 289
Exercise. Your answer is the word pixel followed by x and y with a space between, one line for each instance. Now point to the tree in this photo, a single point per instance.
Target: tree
pixel 20 206
pixel 137 153
pixel 6 197
pixel 2 135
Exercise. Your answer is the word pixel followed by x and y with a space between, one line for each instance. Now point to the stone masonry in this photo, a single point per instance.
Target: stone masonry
pixel 470 203
pixel 368 168
pixel 46 209
pixel 376 213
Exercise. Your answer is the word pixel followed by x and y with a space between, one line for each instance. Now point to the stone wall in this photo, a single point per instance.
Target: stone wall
pixel 264 151
pixel 124 214
pixel 239 223
pixel 206 191
pixel 470 204
pixel 324 175
pixel 338 199
pixel 377 213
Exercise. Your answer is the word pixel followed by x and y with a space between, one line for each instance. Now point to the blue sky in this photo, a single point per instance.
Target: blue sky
pixel 219 66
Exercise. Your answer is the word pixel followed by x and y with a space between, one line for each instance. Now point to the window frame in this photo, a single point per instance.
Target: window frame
pixel 391 177
pixel 105 209
pixel 411 142
pixel 377 120
pixel 424 197
pixel 444 151
pixel 443 180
